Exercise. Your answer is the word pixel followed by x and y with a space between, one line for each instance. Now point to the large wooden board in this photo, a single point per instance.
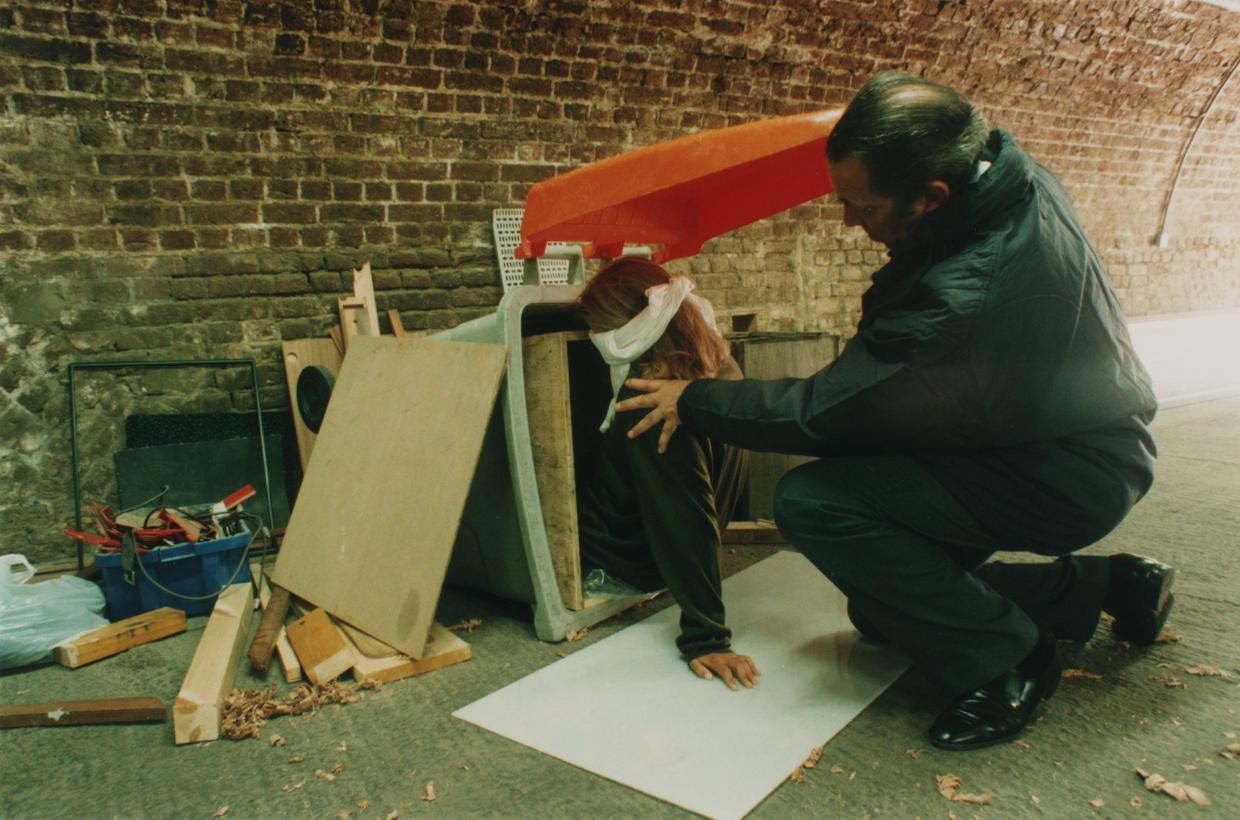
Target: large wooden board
pixel 298 355
pixel 370 537
pixel 551 441
pixel 773 357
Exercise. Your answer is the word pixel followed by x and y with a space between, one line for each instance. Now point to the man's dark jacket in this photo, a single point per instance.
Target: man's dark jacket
pixel 992 350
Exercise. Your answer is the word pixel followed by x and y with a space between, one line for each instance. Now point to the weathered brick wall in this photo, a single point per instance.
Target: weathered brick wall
pixel 194 178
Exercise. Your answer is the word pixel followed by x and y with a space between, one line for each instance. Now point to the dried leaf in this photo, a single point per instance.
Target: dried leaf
pixel 1096 803
pixel 913 753
pixel 462 767
pixel 338 768
pixel 292 787
pixel 576 634
pixel 395 814
pixel 429 795
pixel 836 770
pixel 276 740
pixel 322 775
pixel 362 805
pixel 466 626
pixel 949 786
pixel 1024 744
pixel 1074 672
pixel 852 775
pixel 1189 767
pixel 220 812
pixel 1170 681
pixel 1035 800
pixel 561 654
pixel 1229 735
pixel 1168 635
pixel 297 759
pixel 1181 792
pixel 1231 751
pixel 1209 671
pixel 815 755
pixel 1136 802
pixel 343 747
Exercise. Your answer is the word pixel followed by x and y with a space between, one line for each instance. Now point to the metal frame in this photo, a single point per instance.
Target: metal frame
pixel 258 409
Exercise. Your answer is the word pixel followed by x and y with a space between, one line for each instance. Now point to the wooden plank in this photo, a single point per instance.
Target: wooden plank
pixel 443 648
pixel 752 532
pixel 364 289
pixel 298 355
pixel 551 441
pixel 116 638
pixel 199 705
pixel 398 327
pixel 275 608
pixel 284 649
pixel 772 357
pixel 322 650
pixel 354 319
pixel 81 712
pixel 401 440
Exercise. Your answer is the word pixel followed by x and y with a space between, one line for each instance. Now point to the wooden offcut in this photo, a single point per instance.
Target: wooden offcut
pixel 284 649
pixel 81 712
pixel 443 648
pixel 270 627
pixel 375 520
pixel 551 443
pixel 364 291
pixel 298 355
pixel 198 707
pixel 113 639
pixel 779 356
pixel 321 648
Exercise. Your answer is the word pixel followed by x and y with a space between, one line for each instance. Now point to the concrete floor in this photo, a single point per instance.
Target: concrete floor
pixel 1085 746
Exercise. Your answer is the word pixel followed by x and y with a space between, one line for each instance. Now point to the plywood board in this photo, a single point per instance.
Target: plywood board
pixel 551 442
pixel 199 705
pixel 298 355
pixel 116 638
pixel 373 528
pixel 629 709
pixel 772 357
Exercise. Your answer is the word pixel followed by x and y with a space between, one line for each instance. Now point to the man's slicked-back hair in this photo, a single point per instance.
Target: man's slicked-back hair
pixel 907 131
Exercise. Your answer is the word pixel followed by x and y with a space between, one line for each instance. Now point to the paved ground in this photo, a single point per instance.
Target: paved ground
pixel 1084 748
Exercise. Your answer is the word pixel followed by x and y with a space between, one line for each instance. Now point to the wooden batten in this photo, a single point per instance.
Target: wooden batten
pixel 82 712
pixel 284 649
pixel 116 638
pixel 198 707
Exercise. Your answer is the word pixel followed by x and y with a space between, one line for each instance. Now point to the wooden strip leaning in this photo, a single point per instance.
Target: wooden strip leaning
pixel 116 638
pixel 199 705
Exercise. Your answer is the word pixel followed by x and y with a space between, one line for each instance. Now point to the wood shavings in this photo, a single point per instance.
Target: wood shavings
pixel 1024 744
pixel 1035 800
pixel 297 759
pixel 220 812
pixel 1169 681
pixel 1209 672
pixel 949 786
pixel 462 767
pixel 561 654
pixel 1136 802
pixel 276 740
pixel 1231 751
pixel 913 753
pixel 815 755
pixel 343 747
pixel 362 805
pixel 292 787
pixel 394 814
pixel 1097 803
pixel 429 794
pixel 246 711
pixel 836 770
pixel 576 634
pixel 1168 635
pixel 1180 791
pixel 1081 673
pixel 466 626
pixel 322 775
pixel 1229 735
pixel 337 769
pixel 1189 767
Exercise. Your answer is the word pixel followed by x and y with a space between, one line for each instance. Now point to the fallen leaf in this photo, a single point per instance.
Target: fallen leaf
pixel 393 815
pixel 576 634
pixel 1229 735
pixel 1170 681
pixel 343 815
pixel 561 654
pixel 815 755
pixel 462 767
pixel 362 805
pixel 852 776
pixel 1024 744
pixel 292 787
pixel 1073 672
pixel 276 740
pixel 322 775
pixel 1157 783
pixel 949 786
pixel 1035 800
pixel 220 812
pixel 836 770
pixel 1096 803
pixel 1189 767
pixel 466 626
pixel 1231 751
pixel 343 747
pixel 1209 671
pixel 913 753
pixel 338 768
pixel 1136 803
pixel 1168 635
pixel 297 759
pixel 429 796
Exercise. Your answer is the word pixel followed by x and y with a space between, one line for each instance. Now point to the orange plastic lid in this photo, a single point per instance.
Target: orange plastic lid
pixel 680 193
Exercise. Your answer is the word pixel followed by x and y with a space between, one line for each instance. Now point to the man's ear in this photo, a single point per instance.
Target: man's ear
pixel 935 194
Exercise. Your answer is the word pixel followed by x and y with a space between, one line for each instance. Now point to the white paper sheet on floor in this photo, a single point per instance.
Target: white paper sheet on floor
pixel 627 708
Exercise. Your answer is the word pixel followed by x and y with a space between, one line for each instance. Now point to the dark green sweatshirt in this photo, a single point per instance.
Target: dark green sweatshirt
pixel 655 520
pixel 992 349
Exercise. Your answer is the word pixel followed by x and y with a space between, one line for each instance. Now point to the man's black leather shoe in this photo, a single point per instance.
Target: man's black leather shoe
pixel 995 713
pixel 1140 597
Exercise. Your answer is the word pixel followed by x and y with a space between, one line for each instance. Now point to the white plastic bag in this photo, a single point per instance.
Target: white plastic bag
pixel 36 617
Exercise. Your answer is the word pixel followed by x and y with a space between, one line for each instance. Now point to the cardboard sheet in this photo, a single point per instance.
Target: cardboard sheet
pixel 629 709
pixel 374 523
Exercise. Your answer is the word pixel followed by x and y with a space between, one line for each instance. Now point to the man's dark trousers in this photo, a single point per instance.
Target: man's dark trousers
pixel 910 560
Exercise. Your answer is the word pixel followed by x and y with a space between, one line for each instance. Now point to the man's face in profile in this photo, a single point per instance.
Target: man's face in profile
pixel 884 219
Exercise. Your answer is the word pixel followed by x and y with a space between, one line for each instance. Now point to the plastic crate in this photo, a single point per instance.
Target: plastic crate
pixel 187 569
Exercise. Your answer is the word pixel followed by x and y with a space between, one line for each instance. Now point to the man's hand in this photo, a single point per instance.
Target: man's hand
pixel 661 396
pixel 729 666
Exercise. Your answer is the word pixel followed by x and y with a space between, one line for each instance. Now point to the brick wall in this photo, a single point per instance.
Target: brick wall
pixel 194 178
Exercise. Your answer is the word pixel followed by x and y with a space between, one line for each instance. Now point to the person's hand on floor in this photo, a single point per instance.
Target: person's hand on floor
pixel 728 665
pixel 661 396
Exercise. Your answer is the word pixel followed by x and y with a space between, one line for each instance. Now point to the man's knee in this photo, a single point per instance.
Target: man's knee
pixel 812 505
